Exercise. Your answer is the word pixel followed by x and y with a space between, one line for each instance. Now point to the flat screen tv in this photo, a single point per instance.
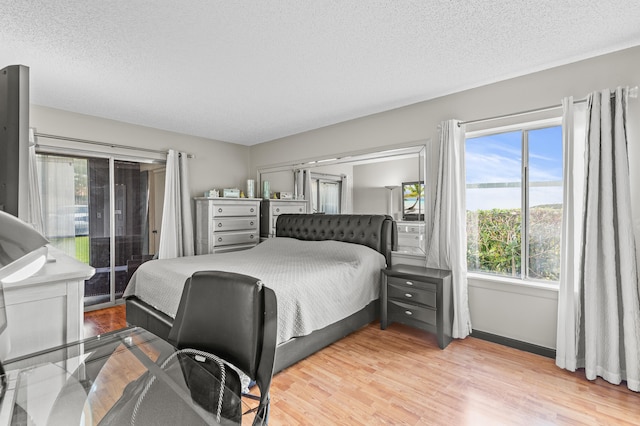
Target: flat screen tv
pixel 14 139
pixel 413 200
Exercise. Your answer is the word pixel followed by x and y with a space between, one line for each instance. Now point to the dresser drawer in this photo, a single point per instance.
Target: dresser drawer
pixel 285 209
pixel 409 229
pixel 399 311
pixel 409 239
pixel 221 210
pixel 234 224
pixel 412 294
pixel 227 238
pixel 411 283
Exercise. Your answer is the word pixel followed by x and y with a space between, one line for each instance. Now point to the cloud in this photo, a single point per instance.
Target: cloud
pixel 491 168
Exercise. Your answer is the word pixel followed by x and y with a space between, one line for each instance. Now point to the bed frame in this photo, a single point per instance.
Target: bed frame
pixel 375 231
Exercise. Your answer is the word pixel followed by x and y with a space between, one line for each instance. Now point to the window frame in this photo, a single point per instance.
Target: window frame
pixel 525 127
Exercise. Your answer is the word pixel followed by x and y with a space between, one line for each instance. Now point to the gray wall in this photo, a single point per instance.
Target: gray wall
pixel 369 181
pixel 526 313
pixel 215 165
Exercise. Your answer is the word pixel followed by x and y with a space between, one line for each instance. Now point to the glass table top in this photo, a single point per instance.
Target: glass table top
pixel 127 377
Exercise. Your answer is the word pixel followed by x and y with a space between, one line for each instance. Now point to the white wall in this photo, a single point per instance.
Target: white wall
pixel 516 312
pixel 216 164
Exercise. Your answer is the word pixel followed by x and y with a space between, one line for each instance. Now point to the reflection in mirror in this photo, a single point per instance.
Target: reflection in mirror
pixel 364 183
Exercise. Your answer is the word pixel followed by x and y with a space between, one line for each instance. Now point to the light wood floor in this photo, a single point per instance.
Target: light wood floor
pixel 400 377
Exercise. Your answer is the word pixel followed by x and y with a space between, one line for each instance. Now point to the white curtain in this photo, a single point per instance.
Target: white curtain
pixel 346 195
pixel 57 191
pixel 603 298
pixel 302 184
pixel 306 186
pixel 449 236
pixel 176 234
pixel 34 203
pixel 573 149
pixel 297 184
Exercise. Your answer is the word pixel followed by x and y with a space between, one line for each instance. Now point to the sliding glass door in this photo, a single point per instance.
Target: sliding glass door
pixel 98 211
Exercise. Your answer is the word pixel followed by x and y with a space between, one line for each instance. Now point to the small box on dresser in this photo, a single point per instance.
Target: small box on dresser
pixel 271 209
pixel 419 297
pixel 226 224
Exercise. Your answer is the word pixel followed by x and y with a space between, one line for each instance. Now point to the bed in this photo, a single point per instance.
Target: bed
pixel 317 303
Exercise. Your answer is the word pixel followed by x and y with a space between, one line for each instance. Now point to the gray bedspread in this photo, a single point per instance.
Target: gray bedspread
pixel 316 282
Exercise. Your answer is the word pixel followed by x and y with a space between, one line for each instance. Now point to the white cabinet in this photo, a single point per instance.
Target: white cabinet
pixel 271 209
pixel 411 236
pixel 226 224
pixel 47 309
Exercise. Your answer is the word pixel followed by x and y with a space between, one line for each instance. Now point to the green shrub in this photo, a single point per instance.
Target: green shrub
pixel 494 242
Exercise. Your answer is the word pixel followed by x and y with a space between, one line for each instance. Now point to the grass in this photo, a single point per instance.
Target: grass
pixel 79 244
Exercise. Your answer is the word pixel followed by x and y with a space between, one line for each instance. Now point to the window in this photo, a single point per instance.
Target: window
pixel 325 193
pixel 77 196
pixel 514 202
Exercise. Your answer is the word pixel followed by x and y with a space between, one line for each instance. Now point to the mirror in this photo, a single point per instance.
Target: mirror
pixel 368 183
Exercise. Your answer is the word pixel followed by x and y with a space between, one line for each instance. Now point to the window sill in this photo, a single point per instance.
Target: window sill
pixel 512 285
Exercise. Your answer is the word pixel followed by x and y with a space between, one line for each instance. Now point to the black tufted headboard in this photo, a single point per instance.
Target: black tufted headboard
pixel 375 231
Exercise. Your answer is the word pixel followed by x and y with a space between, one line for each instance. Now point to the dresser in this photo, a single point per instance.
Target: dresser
pixel 226 224
pixel 411 236
pixel 419 297
pixel 271 209
pixel 46 309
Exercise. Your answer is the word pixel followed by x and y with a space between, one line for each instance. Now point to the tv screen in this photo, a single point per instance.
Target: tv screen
pixel 413 200
pixel 14 139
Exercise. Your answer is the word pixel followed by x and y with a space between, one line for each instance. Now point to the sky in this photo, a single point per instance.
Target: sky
pixel 495 162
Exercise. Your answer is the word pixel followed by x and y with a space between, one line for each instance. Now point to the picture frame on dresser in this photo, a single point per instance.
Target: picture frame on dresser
pixel 413 201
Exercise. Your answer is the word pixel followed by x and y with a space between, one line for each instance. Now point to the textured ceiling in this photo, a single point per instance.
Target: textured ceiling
pixel 252 71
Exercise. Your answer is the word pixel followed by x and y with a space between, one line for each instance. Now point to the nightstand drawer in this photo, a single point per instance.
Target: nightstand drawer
pixel 223 239
pixel 234 224
pixel 412 294
pixel 412 283
pixel 399 310
pixel 218 210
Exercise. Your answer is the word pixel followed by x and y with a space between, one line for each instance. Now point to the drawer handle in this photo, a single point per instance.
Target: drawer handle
pixel 251 236
pixel 219 224
pixel 278 210
pixel 251 223
pixel 300 210
pixel 409 283
pixel 220 210
pixel 251 210
pixel 219 239
pixel 409 295
pixel 408 313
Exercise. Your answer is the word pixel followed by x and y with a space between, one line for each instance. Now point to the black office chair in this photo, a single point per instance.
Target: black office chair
pixel 222 318
pixel 233 317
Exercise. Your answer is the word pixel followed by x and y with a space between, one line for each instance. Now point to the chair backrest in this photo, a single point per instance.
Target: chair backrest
pixel 232 316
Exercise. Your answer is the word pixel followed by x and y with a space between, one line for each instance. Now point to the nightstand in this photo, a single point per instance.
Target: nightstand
pixel 419 297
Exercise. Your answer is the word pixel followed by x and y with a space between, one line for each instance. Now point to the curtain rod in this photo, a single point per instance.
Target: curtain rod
pixel 110 145
pixel 633 93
